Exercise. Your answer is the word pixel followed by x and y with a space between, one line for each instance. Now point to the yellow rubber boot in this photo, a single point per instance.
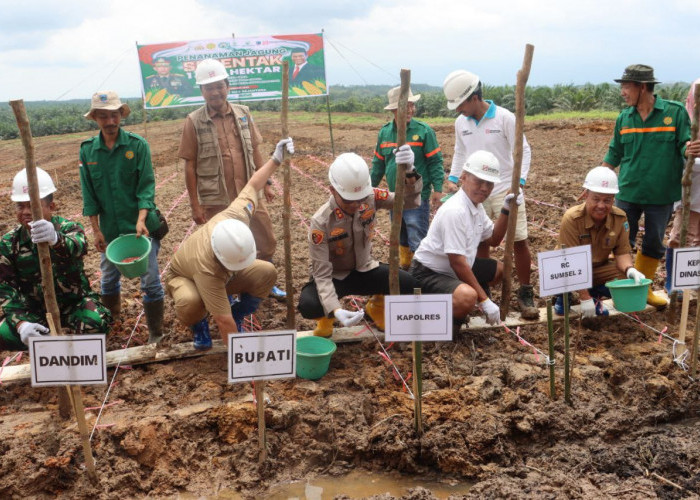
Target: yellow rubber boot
pixel 405 257
pixel 375 309
pixel 324 327
pixel 647 266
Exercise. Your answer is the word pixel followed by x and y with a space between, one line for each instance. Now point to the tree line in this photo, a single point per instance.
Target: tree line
pixel 64 117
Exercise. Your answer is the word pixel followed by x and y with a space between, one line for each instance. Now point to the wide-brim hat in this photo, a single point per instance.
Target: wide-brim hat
pixel 640 73
pixel 109 100
pixel 393 96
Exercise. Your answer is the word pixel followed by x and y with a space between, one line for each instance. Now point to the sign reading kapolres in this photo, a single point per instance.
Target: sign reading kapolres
pixel 254 65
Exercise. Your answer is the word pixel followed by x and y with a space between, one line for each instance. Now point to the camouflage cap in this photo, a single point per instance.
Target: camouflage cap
pixel 638 73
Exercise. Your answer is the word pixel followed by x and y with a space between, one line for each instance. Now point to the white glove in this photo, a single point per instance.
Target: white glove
pixel 491 311
pixel 404 154
pixel 43 232
pixel 587 308
pixel 635 275
pixel 348 318
pixel 278 155
pixel 518 201
pixel 27 329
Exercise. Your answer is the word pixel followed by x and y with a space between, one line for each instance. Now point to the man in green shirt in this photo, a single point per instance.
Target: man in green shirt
pixel 118 188
pixel 649 144
pixel 428 163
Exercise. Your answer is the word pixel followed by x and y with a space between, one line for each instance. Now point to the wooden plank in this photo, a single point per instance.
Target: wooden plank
pixel 151 353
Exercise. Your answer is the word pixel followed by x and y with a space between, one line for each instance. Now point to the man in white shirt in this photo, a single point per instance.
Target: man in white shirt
pixel 482 125
pixel 447 259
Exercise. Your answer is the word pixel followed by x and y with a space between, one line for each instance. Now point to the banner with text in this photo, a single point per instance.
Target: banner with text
pixel 254 66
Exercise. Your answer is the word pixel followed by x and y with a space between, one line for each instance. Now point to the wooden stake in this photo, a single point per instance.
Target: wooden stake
pixel 694 353
pixel 287 201
pixel 42 248
pixel 399 189
pixel 684 316
pixel 523 75
pixel 262 437
pixel 417 382
pixel 82 426
pixel 550 333
pixel 567 375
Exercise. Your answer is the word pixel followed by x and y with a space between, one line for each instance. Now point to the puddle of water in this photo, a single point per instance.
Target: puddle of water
pixel 361 485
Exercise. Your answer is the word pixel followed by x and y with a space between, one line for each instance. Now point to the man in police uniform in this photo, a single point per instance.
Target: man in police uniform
pixel 174 83
pixel 218 260
pixel 118 186
pixel 598 223
pixel 340 245
pixel 22 309
pixel 422 139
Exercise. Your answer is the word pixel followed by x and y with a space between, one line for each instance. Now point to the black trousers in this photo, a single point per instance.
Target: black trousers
pixel 371 282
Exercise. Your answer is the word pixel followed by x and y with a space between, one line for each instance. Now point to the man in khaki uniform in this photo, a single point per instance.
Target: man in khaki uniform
pixel 219 260
pixel 220 146
pixel 340 244
pixel 597 222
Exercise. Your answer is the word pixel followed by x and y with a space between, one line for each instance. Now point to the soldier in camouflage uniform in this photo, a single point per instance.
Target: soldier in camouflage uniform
pixel 22 311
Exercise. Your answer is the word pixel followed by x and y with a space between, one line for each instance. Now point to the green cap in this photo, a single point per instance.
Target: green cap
pixel 638 73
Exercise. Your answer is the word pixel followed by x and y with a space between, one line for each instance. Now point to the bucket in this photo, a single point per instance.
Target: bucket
pixel 314 356
pixel 131 249
pixel 628 297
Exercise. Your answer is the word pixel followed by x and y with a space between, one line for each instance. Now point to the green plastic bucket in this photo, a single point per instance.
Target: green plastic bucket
pixel 129 247
pixel 314 356
pixel 628 297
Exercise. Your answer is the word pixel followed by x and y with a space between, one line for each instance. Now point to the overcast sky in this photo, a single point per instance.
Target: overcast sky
pixel 51 49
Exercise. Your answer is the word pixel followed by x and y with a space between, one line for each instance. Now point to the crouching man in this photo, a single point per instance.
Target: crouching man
pixel 446 260
pixel 340 245
pixel 219 260
pixel 597 222
pixel 22 310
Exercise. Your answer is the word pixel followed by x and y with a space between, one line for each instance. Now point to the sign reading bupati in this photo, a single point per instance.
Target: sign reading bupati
pixel 261 356
pixel 254 66
pixel 686 268
pixel 565 270
pixel 68 360
pixel 410 318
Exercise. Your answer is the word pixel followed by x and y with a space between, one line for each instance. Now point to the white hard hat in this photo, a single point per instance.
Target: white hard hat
pixel 601 180
pixel 20 186
pixel 349 176
pixel 210 71
pixel 484 165
pixel 233 244
pixel 458 86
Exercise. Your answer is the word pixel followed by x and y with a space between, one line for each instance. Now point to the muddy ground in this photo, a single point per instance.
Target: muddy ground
pixel 179 427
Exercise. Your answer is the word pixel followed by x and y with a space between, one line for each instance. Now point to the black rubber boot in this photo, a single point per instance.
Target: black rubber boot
pixel 154 320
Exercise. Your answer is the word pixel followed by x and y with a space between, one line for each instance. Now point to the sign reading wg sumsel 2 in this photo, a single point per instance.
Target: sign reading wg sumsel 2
pixel 68 360
pixel 254 65
pixel 565 270
pixel 686 268
pixel 261 355
pixel 410 318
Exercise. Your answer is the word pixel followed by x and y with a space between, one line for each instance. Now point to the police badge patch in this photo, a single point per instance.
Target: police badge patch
pixel 317 236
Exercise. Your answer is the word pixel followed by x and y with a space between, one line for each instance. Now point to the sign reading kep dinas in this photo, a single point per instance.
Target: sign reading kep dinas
pixel 254 66
pixel 261 355
pixel 68 360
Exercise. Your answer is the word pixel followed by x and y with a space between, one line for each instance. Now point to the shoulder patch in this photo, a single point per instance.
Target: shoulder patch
pixel 626 226
pixel 381 194
pixel 317 236
pixel 250 208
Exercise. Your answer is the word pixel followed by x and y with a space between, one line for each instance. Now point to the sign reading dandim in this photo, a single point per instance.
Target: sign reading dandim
pixel 68 360
pixel 254 66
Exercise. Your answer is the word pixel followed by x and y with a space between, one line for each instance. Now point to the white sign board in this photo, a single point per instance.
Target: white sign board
pixel 261 355
pixel 68 360
pixel 565 270
pixel 410 318
pixel 686 268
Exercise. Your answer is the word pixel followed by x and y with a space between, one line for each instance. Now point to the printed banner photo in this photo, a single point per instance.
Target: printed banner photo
pixel 254 65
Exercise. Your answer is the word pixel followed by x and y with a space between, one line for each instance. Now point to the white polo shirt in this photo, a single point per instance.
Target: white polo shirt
pixel 458 227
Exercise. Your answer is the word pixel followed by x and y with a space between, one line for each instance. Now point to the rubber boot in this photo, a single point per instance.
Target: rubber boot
pixel 559 304
pixel 154 320
pixel 599 293
pixel 278 294
pixel 324 327
pixel 375 309
pixel 526 303
pixel 202 337
pixel 647 266
pixel 242 307
pixel 114 304
pixel 405 257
